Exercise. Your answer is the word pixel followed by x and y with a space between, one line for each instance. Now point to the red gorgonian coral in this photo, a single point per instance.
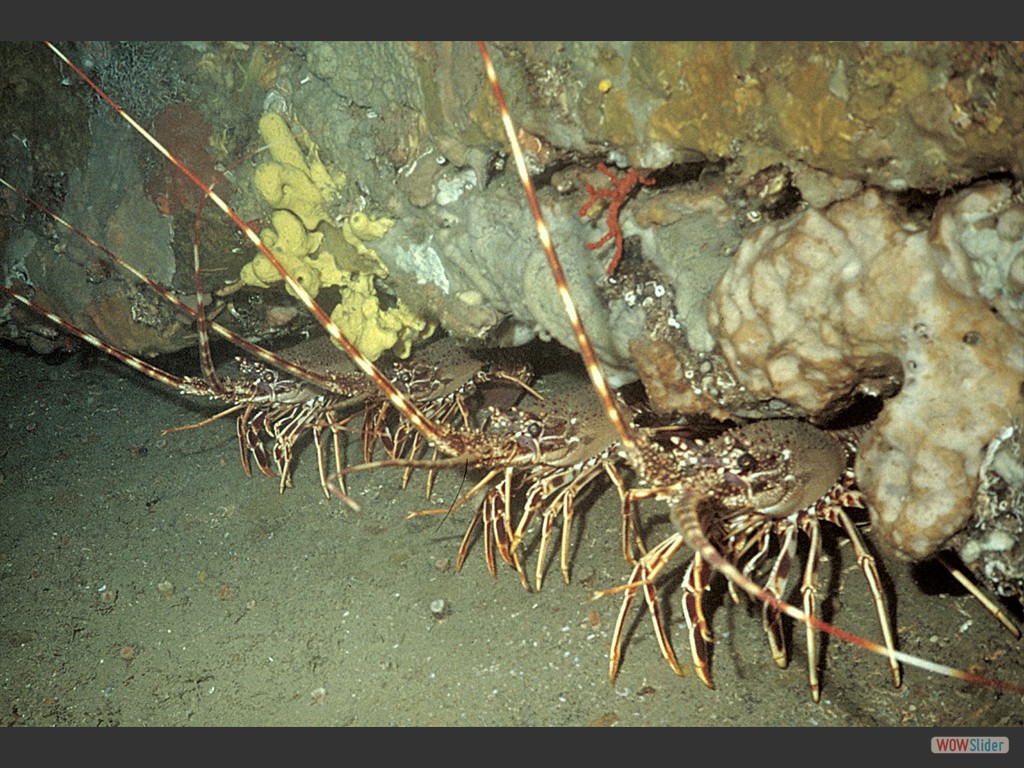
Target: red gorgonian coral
pixel 618 194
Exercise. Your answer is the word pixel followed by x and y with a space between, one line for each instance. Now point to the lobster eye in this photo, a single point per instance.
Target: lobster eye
pixel 746 462
pixel 534 429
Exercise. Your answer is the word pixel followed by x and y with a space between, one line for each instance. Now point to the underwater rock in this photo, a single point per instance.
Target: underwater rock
pixel 896 115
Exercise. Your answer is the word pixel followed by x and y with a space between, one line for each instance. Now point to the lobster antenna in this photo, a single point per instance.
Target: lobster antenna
pixel 138 364
pixel 626 434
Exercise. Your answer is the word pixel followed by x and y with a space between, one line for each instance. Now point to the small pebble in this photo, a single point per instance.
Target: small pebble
pixel 439 608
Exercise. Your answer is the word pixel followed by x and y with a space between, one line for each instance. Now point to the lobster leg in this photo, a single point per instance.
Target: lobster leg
pixel 695 583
